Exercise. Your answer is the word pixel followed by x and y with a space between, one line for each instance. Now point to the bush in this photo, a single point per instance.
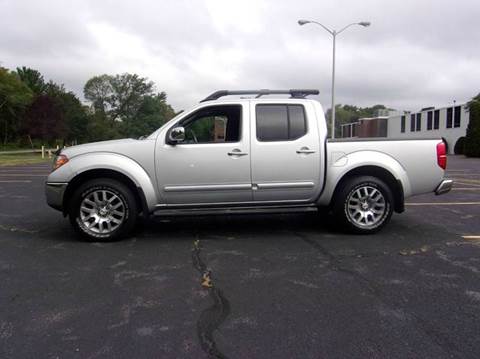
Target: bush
pixel 472 141
pixel 459 148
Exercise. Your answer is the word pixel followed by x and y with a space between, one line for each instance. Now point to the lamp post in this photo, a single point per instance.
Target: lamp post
pixel 334 34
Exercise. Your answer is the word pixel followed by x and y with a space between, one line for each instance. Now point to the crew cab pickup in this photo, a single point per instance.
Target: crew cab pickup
pixel 233 154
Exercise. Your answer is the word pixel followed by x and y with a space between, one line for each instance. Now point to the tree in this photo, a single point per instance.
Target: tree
pixel 32 78
pixel 129 102
pixel 472 141
pixel 45 119
pixel 14 98
pixel 151 115
pixel 74 114
pixel 100 128
pixel 98 91
pixel 119 96
pixel 129 91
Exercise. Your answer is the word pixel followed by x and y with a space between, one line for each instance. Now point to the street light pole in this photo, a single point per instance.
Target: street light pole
pixel 334 34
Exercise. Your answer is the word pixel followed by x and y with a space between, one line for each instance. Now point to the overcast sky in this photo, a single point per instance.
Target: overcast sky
pixel 415 54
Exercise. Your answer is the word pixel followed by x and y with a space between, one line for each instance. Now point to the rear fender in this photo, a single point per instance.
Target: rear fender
pixel 340 164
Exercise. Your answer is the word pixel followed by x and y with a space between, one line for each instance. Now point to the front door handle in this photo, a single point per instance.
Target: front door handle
pixel 305 150
pixel 237 152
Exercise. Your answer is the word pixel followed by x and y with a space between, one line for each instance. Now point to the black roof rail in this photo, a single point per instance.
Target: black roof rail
pixel 294 93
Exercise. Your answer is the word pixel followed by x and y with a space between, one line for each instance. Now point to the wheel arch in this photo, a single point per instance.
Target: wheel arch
pixel 342 166
pixel 90 174
pixel 382 174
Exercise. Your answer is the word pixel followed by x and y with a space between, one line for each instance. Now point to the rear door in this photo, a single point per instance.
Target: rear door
pixel 285 151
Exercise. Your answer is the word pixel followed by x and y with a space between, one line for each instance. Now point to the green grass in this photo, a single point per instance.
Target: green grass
pixel 23 159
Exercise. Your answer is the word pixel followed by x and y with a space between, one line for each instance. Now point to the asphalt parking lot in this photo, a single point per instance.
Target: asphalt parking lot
pixel 285 286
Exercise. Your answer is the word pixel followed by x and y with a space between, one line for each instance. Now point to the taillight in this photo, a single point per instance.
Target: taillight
pixel 442 155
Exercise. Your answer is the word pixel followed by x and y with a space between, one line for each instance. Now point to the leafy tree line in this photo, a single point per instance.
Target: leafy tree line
pixel 33 111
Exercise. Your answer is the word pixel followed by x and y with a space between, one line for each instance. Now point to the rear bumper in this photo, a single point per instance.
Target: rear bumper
pixel 444 186
pixel 54 192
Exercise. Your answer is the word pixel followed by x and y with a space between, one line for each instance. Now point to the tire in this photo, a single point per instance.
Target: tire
pixel 103 210
pixel 363 205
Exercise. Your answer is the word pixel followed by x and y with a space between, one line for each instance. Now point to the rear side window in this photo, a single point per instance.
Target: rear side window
pixel 280 122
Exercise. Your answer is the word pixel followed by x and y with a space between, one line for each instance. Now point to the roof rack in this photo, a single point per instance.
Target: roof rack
pixel 294 93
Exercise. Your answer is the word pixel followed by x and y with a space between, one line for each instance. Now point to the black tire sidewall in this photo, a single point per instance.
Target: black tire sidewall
pixel 340 204
pixel 118 189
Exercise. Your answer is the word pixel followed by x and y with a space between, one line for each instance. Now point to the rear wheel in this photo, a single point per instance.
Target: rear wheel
pixel 103 209
pixel 363 205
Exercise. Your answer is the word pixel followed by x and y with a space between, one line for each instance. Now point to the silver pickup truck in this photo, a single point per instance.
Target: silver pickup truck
pixel 242 155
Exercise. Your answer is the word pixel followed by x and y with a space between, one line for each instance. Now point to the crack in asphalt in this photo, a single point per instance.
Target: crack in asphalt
pixel 335 264
pixel 17 229
pixel 212 317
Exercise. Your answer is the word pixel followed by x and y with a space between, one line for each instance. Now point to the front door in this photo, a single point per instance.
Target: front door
pixel 212 164
pixel 285 152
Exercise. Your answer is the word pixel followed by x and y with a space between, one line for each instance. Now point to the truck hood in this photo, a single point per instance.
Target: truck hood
pixel 123 146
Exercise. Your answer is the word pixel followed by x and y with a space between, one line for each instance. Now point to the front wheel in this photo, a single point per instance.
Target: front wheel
pixel 363 205
pixel 103 209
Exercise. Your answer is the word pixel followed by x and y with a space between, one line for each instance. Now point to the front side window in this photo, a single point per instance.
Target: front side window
pixel 215 124
pixel 280 122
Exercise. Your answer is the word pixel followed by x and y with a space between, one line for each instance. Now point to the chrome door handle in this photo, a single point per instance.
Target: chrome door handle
pixel 305 150
pixel 237 152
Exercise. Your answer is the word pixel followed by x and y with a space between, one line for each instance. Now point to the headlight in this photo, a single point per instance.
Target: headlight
pixel 59 161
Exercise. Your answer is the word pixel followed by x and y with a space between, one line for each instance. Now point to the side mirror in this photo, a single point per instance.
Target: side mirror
pixel 176 135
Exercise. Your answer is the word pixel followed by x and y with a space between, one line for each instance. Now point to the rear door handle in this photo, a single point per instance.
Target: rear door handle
pixel 305 150
pixel 237 152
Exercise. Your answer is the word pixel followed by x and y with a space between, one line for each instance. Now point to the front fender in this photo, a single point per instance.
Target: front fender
pixel 108 161
pixel 339 164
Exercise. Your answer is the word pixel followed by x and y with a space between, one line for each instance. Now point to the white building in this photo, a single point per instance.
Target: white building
pixel 449 123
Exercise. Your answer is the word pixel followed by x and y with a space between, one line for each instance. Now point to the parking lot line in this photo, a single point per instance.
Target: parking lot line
pixel 471 185
pixel 472 170
pixel 471 237
pixel 442 203
pixel 466 180
pixel 25 168
pixel 25 171
pixel 466 189
pixel 15 181
pixel 464 174
pixel 22 175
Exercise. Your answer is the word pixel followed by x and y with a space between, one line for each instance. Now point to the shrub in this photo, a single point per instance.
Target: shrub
pixel 459 148
pixel 472 141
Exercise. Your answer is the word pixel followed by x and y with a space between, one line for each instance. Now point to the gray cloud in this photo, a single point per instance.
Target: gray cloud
pixel 416 53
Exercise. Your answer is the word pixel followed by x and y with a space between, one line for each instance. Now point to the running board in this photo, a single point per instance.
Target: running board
pixel 234 210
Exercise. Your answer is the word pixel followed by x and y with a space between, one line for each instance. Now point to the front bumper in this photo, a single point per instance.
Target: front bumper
pixel 54 192
pixel 444 186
